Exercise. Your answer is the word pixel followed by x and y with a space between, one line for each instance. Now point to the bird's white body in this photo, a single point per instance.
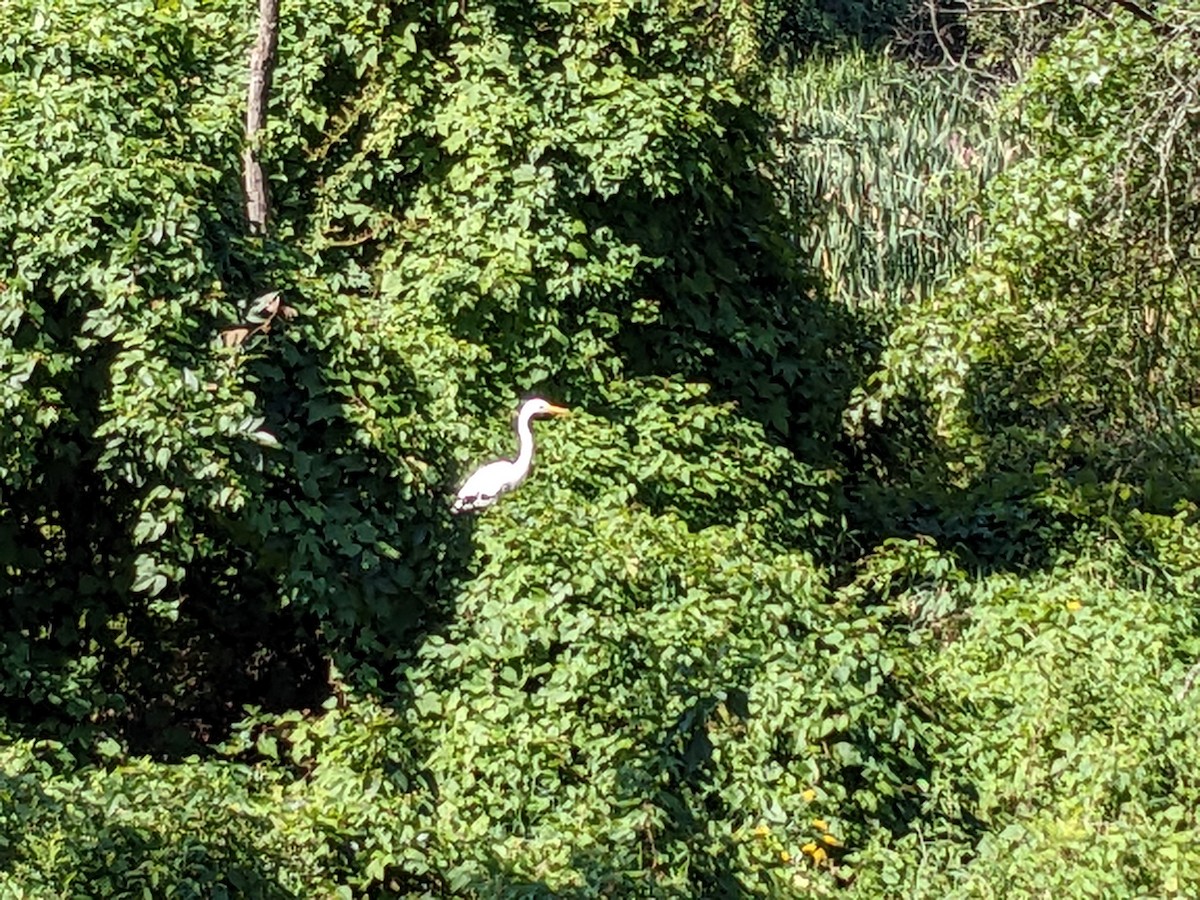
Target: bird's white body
pixel 489 482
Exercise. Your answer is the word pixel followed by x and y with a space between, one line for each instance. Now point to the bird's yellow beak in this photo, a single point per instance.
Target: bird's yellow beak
pixel 558 410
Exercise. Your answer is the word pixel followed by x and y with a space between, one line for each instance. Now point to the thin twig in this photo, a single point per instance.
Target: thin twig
pixel 1037 4
pixel 350 242
pixel 1192 674
pixel 1138 13
pixel 937 34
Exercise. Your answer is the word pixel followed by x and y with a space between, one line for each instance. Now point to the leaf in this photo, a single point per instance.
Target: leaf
pixel 109 748
pixel 265 438
pixel 264 307
pixel 236 335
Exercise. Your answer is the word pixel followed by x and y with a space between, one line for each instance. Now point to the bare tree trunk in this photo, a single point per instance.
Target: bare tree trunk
pixel 262 65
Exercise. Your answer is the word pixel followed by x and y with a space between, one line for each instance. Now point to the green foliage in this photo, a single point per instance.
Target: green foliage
pixel 118 210
pixel 1070 330
pixel 757 624
pixel 1044 395
pixel 152 469
pixel 1064 706
pixel 629 671
pixel 882 172
pixel 140 829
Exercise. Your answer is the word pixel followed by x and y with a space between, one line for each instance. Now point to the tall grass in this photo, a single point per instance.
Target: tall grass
pixel 881 169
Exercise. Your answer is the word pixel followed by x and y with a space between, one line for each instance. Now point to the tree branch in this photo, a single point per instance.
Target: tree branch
pixel 931 5
pixel 1003 10
pixel 1187 682
pixel 1138 13
pixel 262 66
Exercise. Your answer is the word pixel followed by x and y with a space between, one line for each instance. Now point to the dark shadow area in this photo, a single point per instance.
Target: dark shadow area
pixel 326 521
pixel 689 794
pixel 943 33
pixel 221 659
pixel 332 557
pixel 213 866
pixel 738 309
pixel 341 552
pixel 84 654
pixel 792 30
pixel 1043 481
pixel 364 537
pixel 995 522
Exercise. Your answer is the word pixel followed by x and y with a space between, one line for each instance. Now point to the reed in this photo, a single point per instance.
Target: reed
pixel 881 170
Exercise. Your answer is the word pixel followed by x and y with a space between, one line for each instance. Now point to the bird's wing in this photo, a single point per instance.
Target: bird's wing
pixel 485 486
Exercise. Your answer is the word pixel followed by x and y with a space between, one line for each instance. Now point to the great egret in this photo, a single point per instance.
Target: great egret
pixel 489 482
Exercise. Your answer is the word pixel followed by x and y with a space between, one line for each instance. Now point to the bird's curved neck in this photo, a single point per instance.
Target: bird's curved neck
pixel 525 442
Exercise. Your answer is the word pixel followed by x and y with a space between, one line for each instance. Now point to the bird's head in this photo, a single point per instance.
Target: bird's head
pixel 536 406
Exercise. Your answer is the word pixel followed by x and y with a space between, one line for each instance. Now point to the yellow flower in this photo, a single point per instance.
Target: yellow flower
pixel 762 831
pixel 831 840
pixel 809 848
pixel 808 794
pixel 820 825
pixel 1074 606
pixel 785 856
pixel 819 855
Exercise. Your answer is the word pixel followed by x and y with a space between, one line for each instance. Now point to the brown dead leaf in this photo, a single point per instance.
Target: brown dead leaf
pixel 235 336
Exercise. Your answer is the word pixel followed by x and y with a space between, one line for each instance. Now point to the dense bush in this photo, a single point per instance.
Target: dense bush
pixel 1061 715
pixel 1072 324
pixel 757 625
pixel 120 222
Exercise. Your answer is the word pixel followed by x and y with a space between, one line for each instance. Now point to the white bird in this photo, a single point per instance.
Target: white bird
pixel 489 482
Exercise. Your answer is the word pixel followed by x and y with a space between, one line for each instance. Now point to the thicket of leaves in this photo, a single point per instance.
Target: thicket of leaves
pixel 759 624
pixel 1069 340
pixel 1036 418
